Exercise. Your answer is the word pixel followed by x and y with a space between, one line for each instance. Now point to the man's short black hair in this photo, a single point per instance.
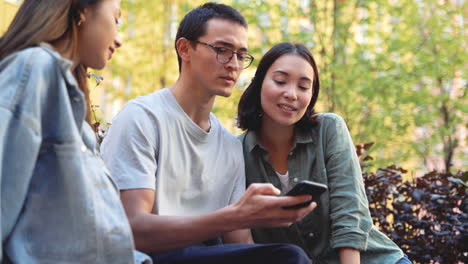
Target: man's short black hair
pixel 193 25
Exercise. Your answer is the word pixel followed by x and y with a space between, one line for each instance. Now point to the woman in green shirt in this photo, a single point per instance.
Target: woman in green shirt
pixel 286 142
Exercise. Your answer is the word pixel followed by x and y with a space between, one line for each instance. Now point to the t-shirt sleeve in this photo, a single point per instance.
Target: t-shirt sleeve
pixel 239 174
pixel 130 148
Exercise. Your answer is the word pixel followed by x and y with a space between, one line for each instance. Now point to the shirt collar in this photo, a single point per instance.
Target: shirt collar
pixel 252 141
pixel 64 64
pixel 304 137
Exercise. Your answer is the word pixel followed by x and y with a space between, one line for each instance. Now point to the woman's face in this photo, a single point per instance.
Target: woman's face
pixel 286 90
pixel 98 37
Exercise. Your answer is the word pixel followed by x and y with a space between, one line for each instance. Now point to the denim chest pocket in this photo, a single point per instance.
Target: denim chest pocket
pixel 60 208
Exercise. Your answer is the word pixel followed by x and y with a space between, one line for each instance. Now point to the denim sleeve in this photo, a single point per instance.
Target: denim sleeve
pixel 349 213
pixel 19 135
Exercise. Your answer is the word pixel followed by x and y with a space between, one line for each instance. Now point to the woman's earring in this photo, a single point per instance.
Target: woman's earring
pixel 79 23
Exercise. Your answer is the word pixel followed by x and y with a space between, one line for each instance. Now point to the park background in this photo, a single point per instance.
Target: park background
pixel 395 70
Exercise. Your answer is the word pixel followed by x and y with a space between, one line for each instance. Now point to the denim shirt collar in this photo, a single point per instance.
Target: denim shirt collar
pixel 65 64
pixel 252 140
pixel 76 95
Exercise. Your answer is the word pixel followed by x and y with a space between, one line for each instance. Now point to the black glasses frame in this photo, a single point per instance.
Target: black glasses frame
pixel 244 59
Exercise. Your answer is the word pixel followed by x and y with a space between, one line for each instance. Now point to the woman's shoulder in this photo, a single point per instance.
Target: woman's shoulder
pixel 242 135
pixel 249 140
pixel 329 118
pixel 29 74
pixel 37 58
pixel 330 123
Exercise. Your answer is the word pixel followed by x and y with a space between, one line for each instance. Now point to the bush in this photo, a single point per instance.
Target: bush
pixel 426 217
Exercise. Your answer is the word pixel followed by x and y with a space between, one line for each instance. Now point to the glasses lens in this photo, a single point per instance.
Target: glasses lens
pixel 247 61
pixel 224 55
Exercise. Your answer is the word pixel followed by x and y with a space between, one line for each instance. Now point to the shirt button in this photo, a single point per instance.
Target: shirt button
pixel 295 179
pixel 311 234
pixel 290 153
pixel 84 148
pixel 76 98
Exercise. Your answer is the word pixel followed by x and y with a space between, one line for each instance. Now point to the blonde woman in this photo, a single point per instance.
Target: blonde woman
pixel 59 204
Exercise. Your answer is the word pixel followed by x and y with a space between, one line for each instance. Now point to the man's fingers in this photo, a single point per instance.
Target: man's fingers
pixel 264 188
pixel 295 215
pixel 265 208
pixel 306 210
pixel 293 200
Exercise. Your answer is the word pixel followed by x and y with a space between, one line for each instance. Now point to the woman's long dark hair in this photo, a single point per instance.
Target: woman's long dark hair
pixel 249 111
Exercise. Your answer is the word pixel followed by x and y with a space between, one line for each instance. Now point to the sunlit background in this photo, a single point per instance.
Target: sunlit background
pixel 396 70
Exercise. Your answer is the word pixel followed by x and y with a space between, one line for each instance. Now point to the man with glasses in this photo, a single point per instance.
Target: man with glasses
pixel 181 173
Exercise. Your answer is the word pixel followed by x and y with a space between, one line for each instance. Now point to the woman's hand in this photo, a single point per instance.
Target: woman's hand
pixel 350 256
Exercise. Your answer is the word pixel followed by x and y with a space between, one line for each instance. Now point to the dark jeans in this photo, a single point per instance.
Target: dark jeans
pixel 235 254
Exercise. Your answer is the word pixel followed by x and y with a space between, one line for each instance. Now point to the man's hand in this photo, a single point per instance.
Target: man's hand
pixel 260 206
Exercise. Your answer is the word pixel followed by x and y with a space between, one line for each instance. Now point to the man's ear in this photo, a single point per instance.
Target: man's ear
pixel 184 48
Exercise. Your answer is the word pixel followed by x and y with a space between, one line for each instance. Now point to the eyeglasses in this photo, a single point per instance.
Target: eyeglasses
pixel 224 55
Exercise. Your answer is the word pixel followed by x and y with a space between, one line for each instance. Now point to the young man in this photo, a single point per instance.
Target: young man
pixel 181 174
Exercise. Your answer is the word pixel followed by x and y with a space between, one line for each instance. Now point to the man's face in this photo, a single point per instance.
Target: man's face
pixel 208 73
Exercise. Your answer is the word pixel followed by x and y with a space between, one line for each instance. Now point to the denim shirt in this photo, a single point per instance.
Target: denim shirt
pixel 58 202
pixel 325 154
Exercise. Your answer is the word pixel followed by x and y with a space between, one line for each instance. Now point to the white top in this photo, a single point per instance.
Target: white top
pixel 153 144
pixel 284 179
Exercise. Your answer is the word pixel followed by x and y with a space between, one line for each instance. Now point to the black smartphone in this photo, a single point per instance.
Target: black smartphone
pixel 306 187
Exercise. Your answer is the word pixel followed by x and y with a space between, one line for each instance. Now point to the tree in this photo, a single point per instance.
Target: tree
pixel 395 70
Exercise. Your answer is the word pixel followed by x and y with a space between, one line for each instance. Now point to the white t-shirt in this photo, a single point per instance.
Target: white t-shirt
pixel 284 179
pixel 153 144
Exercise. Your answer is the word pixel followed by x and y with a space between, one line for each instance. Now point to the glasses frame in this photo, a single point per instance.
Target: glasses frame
pixel 217 49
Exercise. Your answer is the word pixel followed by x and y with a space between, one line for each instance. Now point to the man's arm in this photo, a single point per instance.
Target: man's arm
pixel 241 236
pixel 259 206
pixel 155 233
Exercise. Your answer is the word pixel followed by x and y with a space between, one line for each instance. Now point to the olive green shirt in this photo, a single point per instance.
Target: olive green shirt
pixel 326 154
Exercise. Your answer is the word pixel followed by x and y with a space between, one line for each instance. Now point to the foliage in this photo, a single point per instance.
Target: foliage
pixel 427 217
pixel 396 68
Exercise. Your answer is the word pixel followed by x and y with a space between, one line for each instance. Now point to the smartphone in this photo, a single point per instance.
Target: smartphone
pixel 306 187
